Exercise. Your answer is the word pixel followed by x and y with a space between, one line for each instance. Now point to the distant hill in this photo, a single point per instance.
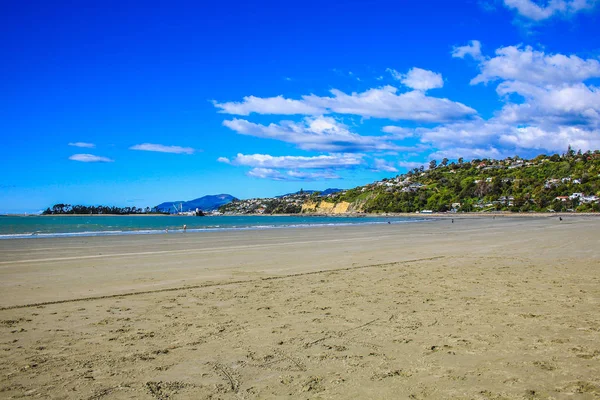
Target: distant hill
pixel 321 192
pixel 330 191
pixel 205 203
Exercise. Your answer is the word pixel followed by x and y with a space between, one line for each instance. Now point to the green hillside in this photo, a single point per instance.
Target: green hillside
pixel 546 183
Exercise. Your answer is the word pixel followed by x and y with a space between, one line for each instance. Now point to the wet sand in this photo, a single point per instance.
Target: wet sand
pixel 480 308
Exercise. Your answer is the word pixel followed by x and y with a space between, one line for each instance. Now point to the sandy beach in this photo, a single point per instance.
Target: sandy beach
pixel 505 308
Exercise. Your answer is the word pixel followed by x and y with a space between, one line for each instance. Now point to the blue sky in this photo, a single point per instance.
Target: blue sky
pixel 135 103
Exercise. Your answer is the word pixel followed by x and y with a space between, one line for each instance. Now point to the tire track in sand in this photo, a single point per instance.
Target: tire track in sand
pixel 179 288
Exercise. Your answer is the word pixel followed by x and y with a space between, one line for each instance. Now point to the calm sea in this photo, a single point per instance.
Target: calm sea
pixel 15 227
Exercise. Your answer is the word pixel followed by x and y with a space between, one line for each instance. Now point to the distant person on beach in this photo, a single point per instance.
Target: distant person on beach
pixel 452 220
pixel 184 227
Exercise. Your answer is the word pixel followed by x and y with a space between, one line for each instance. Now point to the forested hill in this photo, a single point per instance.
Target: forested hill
pixel 546 183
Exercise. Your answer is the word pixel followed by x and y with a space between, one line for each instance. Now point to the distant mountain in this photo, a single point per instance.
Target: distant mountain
pixel 206 203
pixel 321 192
pixel 330 191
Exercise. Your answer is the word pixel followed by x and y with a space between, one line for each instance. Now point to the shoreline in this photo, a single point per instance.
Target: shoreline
pixel 356 215
pixel 91 215
pixel 296 221
pixel 153 231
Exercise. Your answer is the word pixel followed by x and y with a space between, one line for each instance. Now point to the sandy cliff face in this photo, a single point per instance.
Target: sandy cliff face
pixel 323 207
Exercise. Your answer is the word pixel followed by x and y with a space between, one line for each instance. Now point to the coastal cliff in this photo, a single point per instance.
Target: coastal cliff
pixel 325 207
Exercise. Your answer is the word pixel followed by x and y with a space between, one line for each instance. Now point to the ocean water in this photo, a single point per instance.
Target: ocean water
pixel 17 227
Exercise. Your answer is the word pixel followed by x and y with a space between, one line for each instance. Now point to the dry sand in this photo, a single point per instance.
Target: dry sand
pixel 477 309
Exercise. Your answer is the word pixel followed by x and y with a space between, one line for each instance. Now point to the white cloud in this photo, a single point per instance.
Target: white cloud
pixel 473 49
pixel 538 12
pixel 576 104
pixel 527 65
pixel 554 106
pixel 162 148
pixel 419 79
pixel 383 165
pixel 548 104
pixel 535 137
pixel 82 144
pixel 331 161
pixel 386 103
pixel 312 176
pixel 468 153
pixel 493 138
pixel 395 74
pixel 381 102
pixel 470 133
pixel 398 132
pixel 552 86
pixel 313 133
pixel 411 164
pixel 273 174
pixel 89 158
pixel 266 173
pixel 269 105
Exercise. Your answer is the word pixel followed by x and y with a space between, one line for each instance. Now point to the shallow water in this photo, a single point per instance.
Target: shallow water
pixel 13 227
